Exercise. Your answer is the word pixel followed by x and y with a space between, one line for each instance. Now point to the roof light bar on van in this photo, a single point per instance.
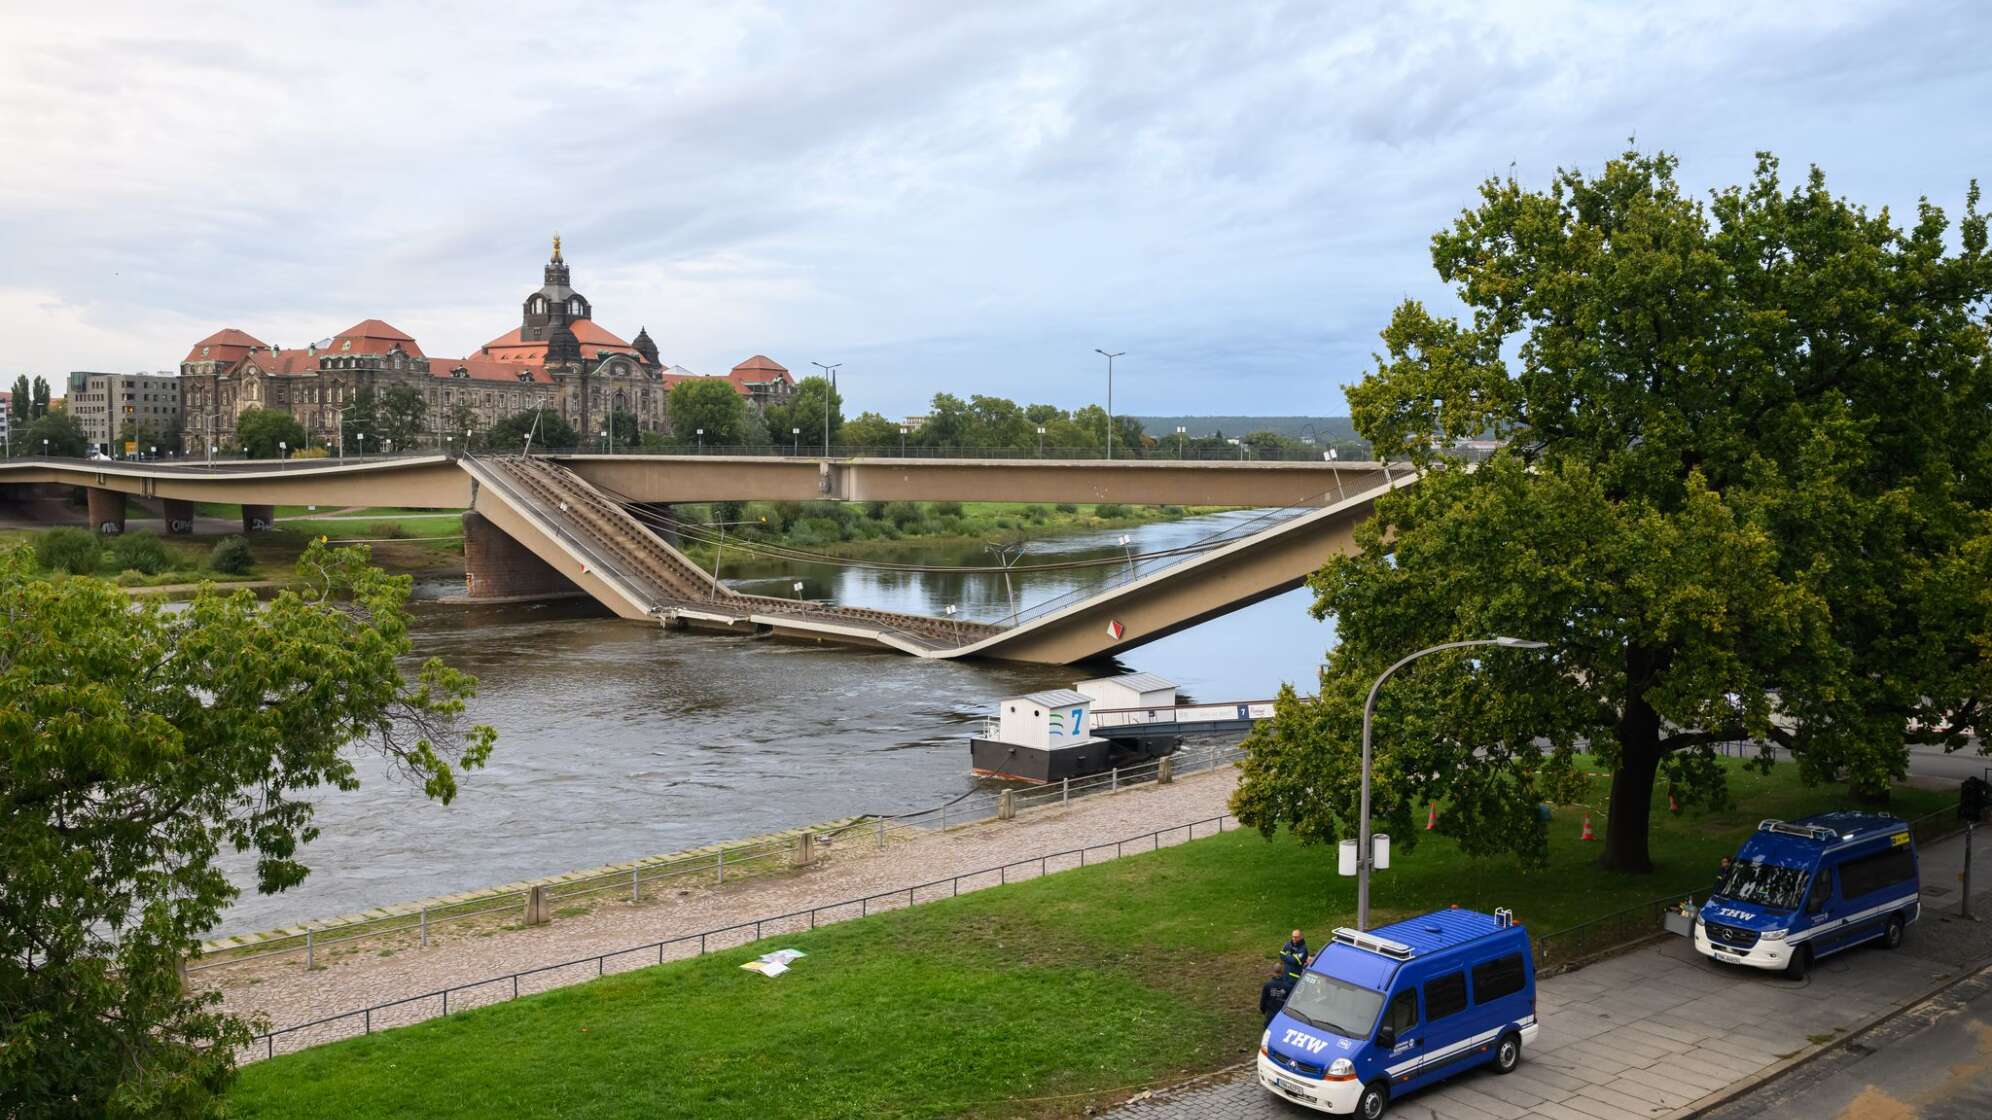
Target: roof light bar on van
pixel 1503 917
pixel 1396 950
pixel 1804 831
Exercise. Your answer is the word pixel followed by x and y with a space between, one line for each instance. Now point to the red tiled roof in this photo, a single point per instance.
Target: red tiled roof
pixel 284 361
pixel 586 332
pixel 372 336
pixel 226 345
pixel 488 369
pixel 761 363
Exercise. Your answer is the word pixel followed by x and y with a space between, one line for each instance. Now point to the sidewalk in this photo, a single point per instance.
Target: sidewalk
pixel 1654 1032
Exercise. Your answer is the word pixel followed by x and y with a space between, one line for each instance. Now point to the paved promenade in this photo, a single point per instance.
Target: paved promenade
pixel 1648 1034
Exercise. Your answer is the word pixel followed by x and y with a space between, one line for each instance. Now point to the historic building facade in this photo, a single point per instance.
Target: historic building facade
pixel 557 358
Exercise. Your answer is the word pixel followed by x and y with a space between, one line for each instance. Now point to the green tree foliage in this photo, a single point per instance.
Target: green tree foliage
pixel 462 426
pixel 63 433
pixel 804 409
pixel 68 549
pixel 136 744
pixel 869 430
pixel 260 430
pixel 231 557
pixel 139 552
pixel 548 428
pixel 1743 496
pixel 20 404
pixel 359 417
pixel 401 416
pixel 709 403
pixel 40 397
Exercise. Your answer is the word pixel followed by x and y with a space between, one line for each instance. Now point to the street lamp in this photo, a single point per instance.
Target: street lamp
pixel 1365 857
pixel 283 452
pixel 701 441
pixel 1110 395
pixel 829 387
pixel 605 441
pixel 362 438
pixel 795 441
pixel 1180 431
pixel 903 429
pixel 1040 429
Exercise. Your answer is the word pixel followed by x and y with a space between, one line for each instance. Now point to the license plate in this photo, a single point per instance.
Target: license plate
pixel 1285 1086
pixel 1727 955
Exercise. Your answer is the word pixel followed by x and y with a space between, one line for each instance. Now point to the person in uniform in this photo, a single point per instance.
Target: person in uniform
pixel 1274 992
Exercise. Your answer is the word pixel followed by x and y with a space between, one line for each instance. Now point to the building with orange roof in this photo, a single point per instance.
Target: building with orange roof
pixel 557 358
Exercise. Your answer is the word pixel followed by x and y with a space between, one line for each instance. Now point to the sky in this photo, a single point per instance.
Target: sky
pixel 942 196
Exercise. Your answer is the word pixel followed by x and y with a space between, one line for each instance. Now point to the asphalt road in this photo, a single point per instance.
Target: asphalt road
pixel 1932 1062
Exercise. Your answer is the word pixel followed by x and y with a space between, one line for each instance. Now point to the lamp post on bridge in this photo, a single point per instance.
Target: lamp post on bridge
pixel 829 388
pixel 1364 856
pixel 1110 395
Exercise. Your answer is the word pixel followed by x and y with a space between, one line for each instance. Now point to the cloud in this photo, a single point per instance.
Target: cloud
pixel 958 197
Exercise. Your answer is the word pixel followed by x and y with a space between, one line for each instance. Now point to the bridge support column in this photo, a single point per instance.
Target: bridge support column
pixel 178 514
pixel 107 511
pixel 258 519
pixel 497 567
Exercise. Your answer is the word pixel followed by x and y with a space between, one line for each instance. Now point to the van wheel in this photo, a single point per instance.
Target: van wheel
pixel 1893 938
pixel 1375 1098
pixel 1508 1053
pixel 1800 961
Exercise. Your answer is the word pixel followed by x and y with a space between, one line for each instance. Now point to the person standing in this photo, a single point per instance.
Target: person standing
pixel 1293 955
pixel 1274 992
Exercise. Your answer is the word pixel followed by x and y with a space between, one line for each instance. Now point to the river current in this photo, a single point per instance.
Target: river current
pixel 619 740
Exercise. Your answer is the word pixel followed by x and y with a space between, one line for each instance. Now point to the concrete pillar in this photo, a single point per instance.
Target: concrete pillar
pixel 107 510
pixel 497 567
pixel 179 515
pixel 805 849
pixel 258 519
pixel 1165 770
pixel 537 911
pixel 1006 806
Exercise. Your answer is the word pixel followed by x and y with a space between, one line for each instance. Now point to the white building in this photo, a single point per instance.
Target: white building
pixel 1130 690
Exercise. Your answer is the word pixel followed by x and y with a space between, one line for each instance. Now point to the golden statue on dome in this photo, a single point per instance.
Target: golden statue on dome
pixel 556 245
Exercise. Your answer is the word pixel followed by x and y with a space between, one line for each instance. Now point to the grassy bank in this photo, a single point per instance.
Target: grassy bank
pixel 1037 998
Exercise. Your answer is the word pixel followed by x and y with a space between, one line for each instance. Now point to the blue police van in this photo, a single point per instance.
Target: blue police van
pixel 1382 1013
pixel 1799 890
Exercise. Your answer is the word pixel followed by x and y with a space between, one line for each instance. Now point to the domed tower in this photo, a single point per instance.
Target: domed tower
pixel 556 303
pixel 646 347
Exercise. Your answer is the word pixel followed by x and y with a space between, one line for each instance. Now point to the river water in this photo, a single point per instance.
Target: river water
pixel 619 740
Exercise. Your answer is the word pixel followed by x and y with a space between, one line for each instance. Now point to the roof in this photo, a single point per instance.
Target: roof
pixel 285 361
pixel 482 368
pixel 1139 682
pixel 1852 824
pixel 373 336
pixel 761 363
pixel 586 331
pixel 1055 698
pixel 225 345
pixel 1425 935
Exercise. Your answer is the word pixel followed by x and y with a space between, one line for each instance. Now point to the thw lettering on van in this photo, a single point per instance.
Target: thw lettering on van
pixel 1303 1041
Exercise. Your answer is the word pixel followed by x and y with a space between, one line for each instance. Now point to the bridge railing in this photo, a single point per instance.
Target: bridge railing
pixel 1354 455
pixel 1164 714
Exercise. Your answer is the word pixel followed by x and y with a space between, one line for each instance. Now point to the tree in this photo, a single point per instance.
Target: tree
pixel 136 744
pixel 1743 494
pixel 623 429
pixel 21 404
pixel 261 429
pixel 710 403
pixel 462 422
pixel 805 410
pixel 41 398
pixel 548 429
pixel 63 434
pixel 870 430
pixel 402 417
pixel 359 418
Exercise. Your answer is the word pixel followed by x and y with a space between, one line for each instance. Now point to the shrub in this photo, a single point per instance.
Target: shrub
pixel 875 511
pixel 310 453
pixel 1173 511
pixel 389 530
pixel 1037 513
pixel 130 577
pixel 902 514
pixel 947 509
pixel 136 552
pixel 1110 509
pixel 231 557
pixel 1066 507
pixel 827 511
pixel 75 551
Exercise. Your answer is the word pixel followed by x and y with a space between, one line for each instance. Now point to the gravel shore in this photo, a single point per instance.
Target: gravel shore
pixel 378 971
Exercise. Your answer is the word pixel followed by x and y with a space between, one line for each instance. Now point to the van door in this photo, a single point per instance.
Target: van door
pixel 1446 1023
pixel 1815 913
pixel 1407 1038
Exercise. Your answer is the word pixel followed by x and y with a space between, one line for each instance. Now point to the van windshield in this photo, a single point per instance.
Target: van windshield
pixel 1335 1005
pixel 1765 884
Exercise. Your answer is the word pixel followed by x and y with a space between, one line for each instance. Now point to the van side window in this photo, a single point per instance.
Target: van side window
pixel 1822 889
pixel 1445 995
pixel 1403 1013
pixel 1872 873
pixel 1499 977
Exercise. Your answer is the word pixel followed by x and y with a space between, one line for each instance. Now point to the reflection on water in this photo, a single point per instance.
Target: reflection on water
pixel 619 740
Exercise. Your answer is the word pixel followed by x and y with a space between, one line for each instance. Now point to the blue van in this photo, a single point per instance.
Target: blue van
pixel 1800 890
pixel 1381 1013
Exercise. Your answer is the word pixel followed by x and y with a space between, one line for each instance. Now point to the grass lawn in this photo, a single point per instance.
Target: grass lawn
pixel 1037 998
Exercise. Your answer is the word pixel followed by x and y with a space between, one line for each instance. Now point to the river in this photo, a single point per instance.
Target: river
pixel 619 740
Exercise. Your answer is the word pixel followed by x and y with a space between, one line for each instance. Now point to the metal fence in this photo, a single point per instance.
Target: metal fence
pixel 715 867
pixel 500 989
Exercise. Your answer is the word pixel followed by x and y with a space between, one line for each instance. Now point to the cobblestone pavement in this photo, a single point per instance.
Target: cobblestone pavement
pixel 1643 1035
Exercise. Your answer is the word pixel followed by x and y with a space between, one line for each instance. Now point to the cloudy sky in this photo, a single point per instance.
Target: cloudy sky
pixel 941 195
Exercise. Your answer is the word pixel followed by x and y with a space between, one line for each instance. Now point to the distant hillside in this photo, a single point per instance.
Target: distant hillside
pixel 1324 429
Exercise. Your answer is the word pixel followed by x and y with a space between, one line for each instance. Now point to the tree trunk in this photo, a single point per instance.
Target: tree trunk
pixel 1631 812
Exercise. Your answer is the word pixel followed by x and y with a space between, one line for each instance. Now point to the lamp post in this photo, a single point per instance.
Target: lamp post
pixel 362 438
pixel 701 441
pixel 1040 429
pixel 1110 395
pixel 605 441
pixel 283 452
pixel 829 387
pixel 1365 857
pixel 903 429
pixel 1180 432
pixel 795 441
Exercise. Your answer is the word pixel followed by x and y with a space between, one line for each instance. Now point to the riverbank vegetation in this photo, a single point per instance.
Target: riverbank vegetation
pixel 133 559
pixel 862 529
pixel 1036 998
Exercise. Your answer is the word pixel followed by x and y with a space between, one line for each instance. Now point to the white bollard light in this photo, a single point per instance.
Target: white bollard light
pixel 1347 857
pixel 1380 846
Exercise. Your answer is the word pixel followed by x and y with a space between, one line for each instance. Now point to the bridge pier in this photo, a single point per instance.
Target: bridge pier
pixel 107 510
pixel 497 567
pixel 178 513
pixel 258 519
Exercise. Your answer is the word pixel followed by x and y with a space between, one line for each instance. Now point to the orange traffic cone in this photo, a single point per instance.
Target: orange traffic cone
pixel 1432 818
pixel 1587 827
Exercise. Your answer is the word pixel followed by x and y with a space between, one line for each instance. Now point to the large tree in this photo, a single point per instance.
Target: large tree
pixel 136 744
pixel 804 409
pixel 549 430
pixel 57 433
pixel 21 403
pixel 260 430
pixel 402 417
pixel 1743 496
pixel 710 403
